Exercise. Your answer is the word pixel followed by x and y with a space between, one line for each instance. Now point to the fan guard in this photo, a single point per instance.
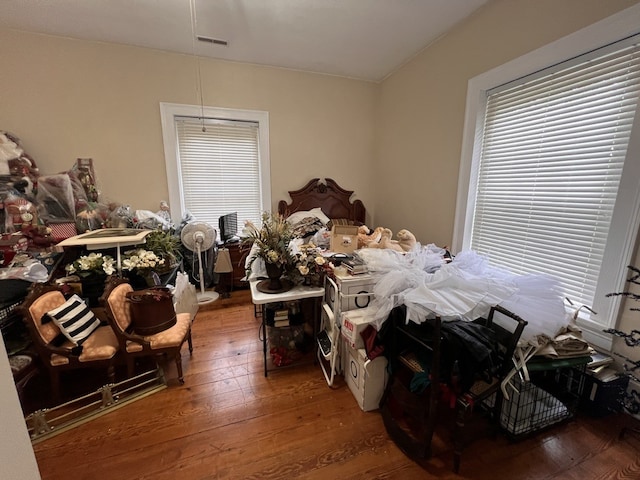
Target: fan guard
pixel 200 237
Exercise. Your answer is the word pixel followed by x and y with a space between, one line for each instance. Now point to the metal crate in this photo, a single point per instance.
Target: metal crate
pixel 551 396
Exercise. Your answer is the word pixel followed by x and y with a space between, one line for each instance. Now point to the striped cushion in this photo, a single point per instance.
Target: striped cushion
pixel 75 320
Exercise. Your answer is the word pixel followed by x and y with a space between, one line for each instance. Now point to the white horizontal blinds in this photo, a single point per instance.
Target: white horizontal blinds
pixel 220 168
pixel 552 155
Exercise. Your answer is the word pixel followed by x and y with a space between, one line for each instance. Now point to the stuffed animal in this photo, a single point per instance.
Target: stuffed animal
pixel 406 240
pixel 365 236
pixel 386 241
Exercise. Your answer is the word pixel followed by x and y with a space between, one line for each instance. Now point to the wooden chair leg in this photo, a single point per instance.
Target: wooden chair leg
pixel 131 362
pixel 179 366
pixel 190 343
pixel 54 378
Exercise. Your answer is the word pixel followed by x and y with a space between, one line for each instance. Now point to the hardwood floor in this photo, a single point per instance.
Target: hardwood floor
pixel 229 421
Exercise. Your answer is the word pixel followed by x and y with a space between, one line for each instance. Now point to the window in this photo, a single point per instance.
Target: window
pixel 548 167
pixel 217 162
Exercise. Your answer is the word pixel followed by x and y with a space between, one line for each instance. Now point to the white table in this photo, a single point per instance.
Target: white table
pixel 298 292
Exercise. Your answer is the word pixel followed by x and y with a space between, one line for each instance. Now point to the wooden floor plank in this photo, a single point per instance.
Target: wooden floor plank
pixel 230 422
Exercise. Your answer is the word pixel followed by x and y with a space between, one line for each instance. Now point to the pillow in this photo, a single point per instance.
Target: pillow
pixel 258 269
pixel 75 320
pixel 315 212
pixel 307 226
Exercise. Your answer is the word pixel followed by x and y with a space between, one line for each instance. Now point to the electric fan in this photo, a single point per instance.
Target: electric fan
pixel 200 237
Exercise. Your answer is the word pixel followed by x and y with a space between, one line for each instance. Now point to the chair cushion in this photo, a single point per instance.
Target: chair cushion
pixel 172 337
pixel 75 320
pixel 102 345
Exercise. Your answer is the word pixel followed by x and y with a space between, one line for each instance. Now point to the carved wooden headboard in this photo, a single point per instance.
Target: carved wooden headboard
pixel 333 199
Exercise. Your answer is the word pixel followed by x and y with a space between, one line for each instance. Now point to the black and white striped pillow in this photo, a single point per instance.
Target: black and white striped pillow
pixel 75 320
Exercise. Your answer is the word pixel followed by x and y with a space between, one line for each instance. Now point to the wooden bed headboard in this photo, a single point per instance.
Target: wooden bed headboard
pixel 333 199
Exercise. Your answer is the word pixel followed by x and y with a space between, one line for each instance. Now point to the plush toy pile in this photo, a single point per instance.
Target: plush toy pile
pixel 382 237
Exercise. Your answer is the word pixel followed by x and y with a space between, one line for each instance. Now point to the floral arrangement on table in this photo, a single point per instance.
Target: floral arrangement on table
pixel 141 261
pixel 310 265
pixel 142 267
pixel 270 241
pixel 92 264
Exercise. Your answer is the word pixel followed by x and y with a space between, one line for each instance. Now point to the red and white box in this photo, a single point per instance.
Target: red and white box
pixel 353 323
pixel 62 231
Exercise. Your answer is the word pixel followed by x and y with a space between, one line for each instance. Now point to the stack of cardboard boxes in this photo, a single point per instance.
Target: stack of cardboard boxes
pixel 347 296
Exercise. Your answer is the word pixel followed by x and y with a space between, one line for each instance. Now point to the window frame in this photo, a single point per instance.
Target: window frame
pixel 168 114
pixel 626 216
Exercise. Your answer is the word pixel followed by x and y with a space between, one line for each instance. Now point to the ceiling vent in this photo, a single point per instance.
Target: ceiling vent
pixel 215 41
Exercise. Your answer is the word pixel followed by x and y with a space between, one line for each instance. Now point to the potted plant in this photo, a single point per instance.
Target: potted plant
pixel 92 269
pixel 165 245
pixel 141 265
pixel 270 243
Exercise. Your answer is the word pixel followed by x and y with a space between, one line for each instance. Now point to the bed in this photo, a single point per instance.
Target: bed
pixel 329 196
pixel 312 212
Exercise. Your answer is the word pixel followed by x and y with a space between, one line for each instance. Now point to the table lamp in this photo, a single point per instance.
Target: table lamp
pixel 223 267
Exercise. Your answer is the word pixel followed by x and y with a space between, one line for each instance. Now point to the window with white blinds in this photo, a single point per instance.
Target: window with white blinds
pixel 552 152
pixel 217 162
pixel 220 168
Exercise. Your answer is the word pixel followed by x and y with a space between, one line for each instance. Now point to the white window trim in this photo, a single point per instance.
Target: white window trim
pixel 168 113
pixel 626 218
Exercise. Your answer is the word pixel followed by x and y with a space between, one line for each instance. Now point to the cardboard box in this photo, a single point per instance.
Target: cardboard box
pixel 366 378
pixel 344 238
pixel 353 323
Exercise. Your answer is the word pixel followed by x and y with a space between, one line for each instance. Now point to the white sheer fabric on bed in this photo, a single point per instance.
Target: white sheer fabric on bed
pixel 465 288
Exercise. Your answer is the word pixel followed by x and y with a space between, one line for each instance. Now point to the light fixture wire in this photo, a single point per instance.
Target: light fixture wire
pixel 194 23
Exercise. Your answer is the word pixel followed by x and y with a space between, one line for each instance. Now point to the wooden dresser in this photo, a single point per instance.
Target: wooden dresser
pixel 238 254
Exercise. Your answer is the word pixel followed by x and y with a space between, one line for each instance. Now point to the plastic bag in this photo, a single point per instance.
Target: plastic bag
pixel 55 199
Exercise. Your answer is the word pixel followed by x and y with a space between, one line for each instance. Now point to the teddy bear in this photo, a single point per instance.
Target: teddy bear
pixel 386 241
pixel 406 240
pixel 366 236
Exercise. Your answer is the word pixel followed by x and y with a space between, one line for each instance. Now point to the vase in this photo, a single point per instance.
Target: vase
pixel 275 283
pixel 92 288
pixel 274 272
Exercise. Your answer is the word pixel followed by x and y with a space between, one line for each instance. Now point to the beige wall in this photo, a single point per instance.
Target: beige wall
pixel 67 99
pixel 421 107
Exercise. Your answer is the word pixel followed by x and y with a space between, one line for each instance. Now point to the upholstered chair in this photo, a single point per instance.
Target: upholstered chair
pixel 55 350
pixel 168 342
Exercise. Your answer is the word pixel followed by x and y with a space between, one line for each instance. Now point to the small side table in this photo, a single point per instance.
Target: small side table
pixel 298 292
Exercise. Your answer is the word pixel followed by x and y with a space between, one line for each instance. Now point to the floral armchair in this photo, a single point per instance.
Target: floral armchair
pixel 56 350
pixel 168 342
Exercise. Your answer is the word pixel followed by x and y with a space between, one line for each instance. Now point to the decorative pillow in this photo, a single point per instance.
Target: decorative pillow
pixel 315 212
pixel 75 320
pixel 307 226
pixel 258 269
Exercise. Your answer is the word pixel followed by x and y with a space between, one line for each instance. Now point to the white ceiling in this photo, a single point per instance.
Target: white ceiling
pixel 364 39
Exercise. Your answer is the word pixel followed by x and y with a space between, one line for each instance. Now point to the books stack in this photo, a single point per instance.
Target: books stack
pixel 355 265
pixel 598 367
pixel 281 318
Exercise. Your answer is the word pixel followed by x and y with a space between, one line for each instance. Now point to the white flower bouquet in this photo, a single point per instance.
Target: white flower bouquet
pixel 94 263
pixel 141 260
